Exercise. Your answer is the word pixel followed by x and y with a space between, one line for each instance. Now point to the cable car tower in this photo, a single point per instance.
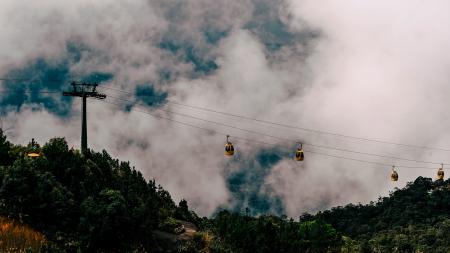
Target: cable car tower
pixel 84 90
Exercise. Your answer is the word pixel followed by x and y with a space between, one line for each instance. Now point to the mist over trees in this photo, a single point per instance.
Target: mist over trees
pixel 90 202
pixel 94 203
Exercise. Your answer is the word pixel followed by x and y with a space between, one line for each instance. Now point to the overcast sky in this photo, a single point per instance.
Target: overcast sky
pixel 373 69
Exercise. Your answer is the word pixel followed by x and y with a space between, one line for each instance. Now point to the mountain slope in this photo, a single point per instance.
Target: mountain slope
pixel 94 203
pixel 86 202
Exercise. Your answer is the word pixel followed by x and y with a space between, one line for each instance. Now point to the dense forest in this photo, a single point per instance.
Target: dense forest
pixel 65 201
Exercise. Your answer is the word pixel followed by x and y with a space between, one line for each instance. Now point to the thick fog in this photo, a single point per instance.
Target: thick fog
pixel 371 69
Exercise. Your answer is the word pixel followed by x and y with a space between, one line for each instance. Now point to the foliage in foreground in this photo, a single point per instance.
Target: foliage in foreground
pixel 17 237
pixel 83 203
pixel 269 233
pixel 94 203
pixel 413 219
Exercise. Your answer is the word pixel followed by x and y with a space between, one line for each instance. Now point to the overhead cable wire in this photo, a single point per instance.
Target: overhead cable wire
pixel 250 118
pixel 32 80
pixel 261 142
pixel 285 139
pixel 29 91
pixel 369 162
pixel 186 124
pixel 290 126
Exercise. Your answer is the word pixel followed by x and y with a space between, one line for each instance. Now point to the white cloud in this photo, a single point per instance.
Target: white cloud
pixel 377 70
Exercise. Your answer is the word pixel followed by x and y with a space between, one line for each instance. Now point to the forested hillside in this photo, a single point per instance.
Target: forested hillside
pixel 415 218
pixel 87 203
pixel 94 203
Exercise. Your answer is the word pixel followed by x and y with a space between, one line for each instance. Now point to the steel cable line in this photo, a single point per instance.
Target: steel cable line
pixel 286 139
pixel 254 119
pixel 32 80
pixel 265 143
pixel 29 91
pixel 290 126
pixel 186 124
pixel 267 122
pixel 250 118
pixel 369 162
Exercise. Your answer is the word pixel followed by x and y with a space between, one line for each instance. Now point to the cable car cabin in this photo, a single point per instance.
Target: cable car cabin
pixel 33 154
pixel 440 174
pixel 229 149
pixel 394 176
pixel 33 150
pixel 299 155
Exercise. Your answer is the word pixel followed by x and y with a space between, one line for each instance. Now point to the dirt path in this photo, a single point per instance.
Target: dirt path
pixel 168 241
pixel 190 230
pixel 188 234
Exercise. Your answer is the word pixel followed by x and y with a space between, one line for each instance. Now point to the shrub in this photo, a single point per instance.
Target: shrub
pixel 172 225
pixel 17 237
